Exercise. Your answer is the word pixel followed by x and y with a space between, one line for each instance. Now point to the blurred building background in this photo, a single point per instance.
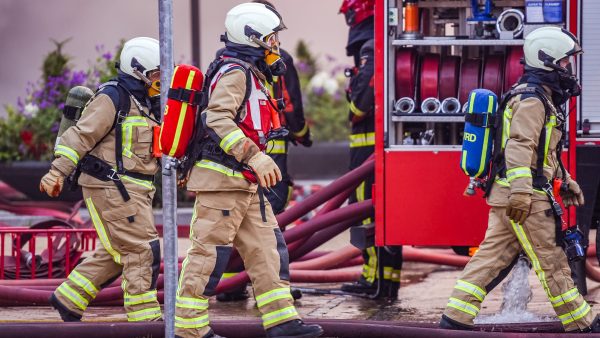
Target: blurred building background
pixel 26 28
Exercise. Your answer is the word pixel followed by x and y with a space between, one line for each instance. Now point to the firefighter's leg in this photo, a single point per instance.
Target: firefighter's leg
pixel 497 252
pixel 538 239
pixel 127 232
pixel 216 218
pixel 390 258
pixel 72 297
pixel 279 195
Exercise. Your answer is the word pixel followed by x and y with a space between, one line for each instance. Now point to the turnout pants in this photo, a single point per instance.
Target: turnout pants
pixel 280 194
pixel 222 219
pixel 503 241
pixel 380 263
pixel 129 248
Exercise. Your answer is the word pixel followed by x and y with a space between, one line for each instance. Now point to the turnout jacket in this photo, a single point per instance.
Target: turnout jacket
pixel 523 119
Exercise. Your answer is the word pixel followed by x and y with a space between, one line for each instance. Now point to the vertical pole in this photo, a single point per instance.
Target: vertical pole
pixel 169 190
pixel 195 12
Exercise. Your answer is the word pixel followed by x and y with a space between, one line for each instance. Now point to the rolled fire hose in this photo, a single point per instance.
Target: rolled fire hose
pixel 449 75
pixel 431 105
pixel 406 72
pixel 465 108
pixel 469 78
pixel 429 77
pixel 511 21
pixel 493 74
pixel 451 105
pixel 405 105
pixel 513 67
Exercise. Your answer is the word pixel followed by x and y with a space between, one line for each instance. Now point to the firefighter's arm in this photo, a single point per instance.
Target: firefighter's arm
pixel 96 121
pixel 294 111
pixel 219 115
pixel 528 118
pixel 362 93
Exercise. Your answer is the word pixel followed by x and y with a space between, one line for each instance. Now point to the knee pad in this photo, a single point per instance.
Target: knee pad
pixel 223 253
pixel 155 247
pixel 284 256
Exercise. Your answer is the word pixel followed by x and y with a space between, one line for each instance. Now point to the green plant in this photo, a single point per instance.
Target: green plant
pixel 28 131
pixel 324 96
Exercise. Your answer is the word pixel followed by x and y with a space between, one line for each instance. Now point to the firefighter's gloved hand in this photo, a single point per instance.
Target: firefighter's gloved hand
pixel 574 196
pixel 266 170
pixel 52 183
pixel 518 207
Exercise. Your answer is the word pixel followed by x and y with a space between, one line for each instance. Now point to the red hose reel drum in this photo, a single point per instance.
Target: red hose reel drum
pixel 180 112
pixel 493 74
pixel 429 77
pixel 470 78
pixel 406 72
pixel 514 67
pixel 449 75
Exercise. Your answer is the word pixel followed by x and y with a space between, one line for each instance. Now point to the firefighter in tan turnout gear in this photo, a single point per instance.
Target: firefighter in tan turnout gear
pixel 110 147
pixel 230 208
pixel 521 217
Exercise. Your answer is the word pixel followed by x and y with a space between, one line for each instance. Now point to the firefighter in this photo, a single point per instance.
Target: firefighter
pixel 521 216
pixel 286 89
pixel 230 207
pixel 110 146
pixel 381 271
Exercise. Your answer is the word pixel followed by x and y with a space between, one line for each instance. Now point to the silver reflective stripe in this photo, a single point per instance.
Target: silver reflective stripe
pixel 192 303
pixel 273 295
pixel 191 323
pixel 471 289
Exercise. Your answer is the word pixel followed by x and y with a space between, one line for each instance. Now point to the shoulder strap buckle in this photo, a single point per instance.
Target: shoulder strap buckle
pixel 113 175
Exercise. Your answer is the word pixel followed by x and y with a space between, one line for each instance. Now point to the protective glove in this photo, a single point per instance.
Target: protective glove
pixel 518 207
pixel 266 170
pixel 52 183
pixel 305 139
pixel 573 196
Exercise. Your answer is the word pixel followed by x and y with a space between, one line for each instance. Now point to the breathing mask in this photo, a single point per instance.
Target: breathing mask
pixel 152 82
pixel 272 53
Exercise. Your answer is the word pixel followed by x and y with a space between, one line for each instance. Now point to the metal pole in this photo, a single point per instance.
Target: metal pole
pixel 169 190
pixel 195 12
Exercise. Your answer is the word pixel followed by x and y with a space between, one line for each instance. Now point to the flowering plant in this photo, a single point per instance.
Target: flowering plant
pixel 324 96
pixel 28 131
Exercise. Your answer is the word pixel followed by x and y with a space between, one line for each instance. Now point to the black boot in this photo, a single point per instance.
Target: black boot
pixel 360 288
pixel 66 314
pixel 294 329
pixel 595 327
pixel 235 295
pixel 450 324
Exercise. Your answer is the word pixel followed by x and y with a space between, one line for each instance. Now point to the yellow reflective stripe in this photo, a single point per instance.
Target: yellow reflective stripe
pixel 230 139
pixel 145 314
pixel 276 147
pixel 549 126
pixel 302 131
pixel 73 296
pixel 279 315
pixel 83 283
pixel 191 323
pixel 362 140
pixel 127 140
pixel 229 275
pixel 566 297
pixel 472 102
pixel 183 265
pixel 67 152
pixel 101 231
pixel 360 192
pixel 572 316
pixel 143 183
pixel 387 272
pixel 502 182
pixel 137 121
pixel 182 114
pixel 191 303
pixel 526 245
pixel 471 289
pixel 207 164
pixel 518 172
pixel 396 275
pixel 372 264
pixel 463 163
pixel 506 127
pixel 354 109
pixel 273 295
pixel 463 306
pixel 146 297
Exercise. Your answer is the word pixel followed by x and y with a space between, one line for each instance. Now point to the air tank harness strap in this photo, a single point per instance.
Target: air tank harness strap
pixel 103 171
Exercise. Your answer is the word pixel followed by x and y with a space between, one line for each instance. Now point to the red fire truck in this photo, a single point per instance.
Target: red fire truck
pixel 445 50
